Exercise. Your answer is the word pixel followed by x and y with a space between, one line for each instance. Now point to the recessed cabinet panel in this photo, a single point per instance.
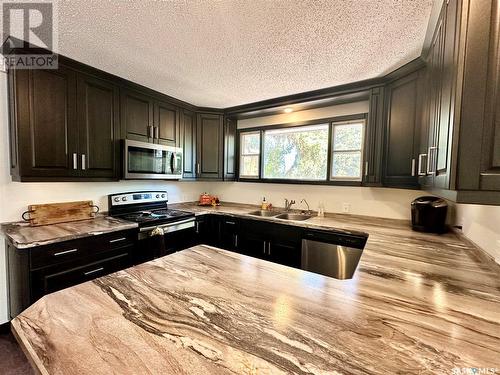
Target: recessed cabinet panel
pixel 166 123
pixel 98 125
pixel 210 146
pixel 43 120
pixel 188 144
pixel 401 132
pixel 137 116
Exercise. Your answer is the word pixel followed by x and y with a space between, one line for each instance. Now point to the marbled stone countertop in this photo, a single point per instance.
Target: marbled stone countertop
pixel 413 307
pixel 24 236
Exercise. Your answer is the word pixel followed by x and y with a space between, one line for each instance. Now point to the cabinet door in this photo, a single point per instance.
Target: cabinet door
pixel 285 245
pixel 229 233
pixel 166 124
pixel 136 111
pixel 44 121
pixel 374 139
pixel 188 143
pixel 210 146
pixel 97 108
pixel 229 149
pixel 252 240
pixel 402 132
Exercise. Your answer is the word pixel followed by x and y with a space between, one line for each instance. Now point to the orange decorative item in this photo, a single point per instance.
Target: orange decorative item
pixel 205 200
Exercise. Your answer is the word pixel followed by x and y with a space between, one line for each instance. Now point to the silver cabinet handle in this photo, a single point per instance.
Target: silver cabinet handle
pixel 65 252
pixel 366 169
pixel 230 222
pixel 413 167
pixel 83 162
pixel 93 271
pixel 75 161
pixel 420 163
pixel 264 248
pixel 430 160
pixel 269 248
pixel 197 227
pixel 235 240
pixel 150 131
pixel 157 132
pixel 198 168
pixel 118 240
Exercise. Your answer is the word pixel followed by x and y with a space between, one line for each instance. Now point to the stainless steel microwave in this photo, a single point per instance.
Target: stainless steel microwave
pixel 151 161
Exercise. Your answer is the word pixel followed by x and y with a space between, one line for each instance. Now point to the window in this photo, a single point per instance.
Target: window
pixel 321 151
pixel 250 154
pixel 296 153
pixel 347 150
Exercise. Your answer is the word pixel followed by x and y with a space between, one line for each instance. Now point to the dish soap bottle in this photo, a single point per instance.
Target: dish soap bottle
pixel 264 205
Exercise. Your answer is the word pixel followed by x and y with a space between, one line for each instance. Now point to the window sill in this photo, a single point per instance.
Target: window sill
pixel 301 182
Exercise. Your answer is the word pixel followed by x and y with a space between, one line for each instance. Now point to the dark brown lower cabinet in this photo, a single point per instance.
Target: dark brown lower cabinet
pixel 37 271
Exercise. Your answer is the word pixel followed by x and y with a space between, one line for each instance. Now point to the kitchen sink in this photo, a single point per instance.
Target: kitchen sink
pixel 298 217
pixel 264 213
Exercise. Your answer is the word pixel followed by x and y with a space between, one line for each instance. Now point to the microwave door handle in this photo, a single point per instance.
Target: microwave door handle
pixel 172 157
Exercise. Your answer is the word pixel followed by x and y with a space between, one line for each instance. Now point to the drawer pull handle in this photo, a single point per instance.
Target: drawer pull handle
pixel 230 222
pixel 65 252
pixel 93 271
pixel 118 240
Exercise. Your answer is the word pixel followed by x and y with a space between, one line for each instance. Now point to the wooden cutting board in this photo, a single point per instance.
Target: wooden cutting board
pixel 53 213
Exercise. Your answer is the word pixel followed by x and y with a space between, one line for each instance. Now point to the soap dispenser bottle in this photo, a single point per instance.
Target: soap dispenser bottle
pixel 264 205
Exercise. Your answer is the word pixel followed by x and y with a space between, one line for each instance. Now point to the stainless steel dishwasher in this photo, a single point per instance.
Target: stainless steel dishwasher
pixel 331 253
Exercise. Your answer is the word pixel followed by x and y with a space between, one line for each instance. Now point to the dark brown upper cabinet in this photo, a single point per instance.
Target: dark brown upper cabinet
pixel 402 132
pixel 460 133
pixel 99 135
pixel 374 139
pixel 137 119
pixel 64 125
pixel 229 149
pixel 188 143
pixel 149 119
pixel 43 124
pixel 166 129
pixel 210 146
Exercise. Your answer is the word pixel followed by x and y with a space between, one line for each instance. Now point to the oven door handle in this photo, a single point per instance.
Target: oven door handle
pixel 172 224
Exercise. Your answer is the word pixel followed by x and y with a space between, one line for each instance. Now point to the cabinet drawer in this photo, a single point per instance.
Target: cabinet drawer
pixel 68 251
pixel 60 252
pixel 111 241
pixel 52 282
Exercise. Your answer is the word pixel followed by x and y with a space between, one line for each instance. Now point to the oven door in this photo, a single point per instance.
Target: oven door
pixel 177 236
pixel 151 161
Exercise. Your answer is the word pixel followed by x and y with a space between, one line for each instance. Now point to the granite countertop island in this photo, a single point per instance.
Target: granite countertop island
pixel 413 307
pixel 23 236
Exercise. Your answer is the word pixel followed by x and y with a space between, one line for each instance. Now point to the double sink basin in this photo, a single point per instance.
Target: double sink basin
pixel 281 215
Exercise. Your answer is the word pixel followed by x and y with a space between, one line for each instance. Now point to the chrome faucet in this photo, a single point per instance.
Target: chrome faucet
pixel 307 204
pixel 288 204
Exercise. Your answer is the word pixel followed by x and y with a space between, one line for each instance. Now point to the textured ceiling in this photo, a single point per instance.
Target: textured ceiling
pixel 229 52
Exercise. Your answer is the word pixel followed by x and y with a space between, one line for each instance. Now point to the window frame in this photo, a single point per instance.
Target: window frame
pixel 240 154
pixel 361 150
pixel 330 121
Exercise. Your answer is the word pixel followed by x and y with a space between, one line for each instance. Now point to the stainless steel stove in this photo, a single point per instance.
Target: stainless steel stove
pixel 161 230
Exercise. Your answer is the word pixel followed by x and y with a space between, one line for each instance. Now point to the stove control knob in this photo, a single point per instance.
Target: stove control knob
pixel 117 199
pixel 163 195
pixel 157 195
pixel 124 199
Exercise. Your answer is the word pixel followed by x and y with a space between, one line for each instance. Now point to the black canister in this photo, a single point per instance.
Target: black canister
pixel 428 214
